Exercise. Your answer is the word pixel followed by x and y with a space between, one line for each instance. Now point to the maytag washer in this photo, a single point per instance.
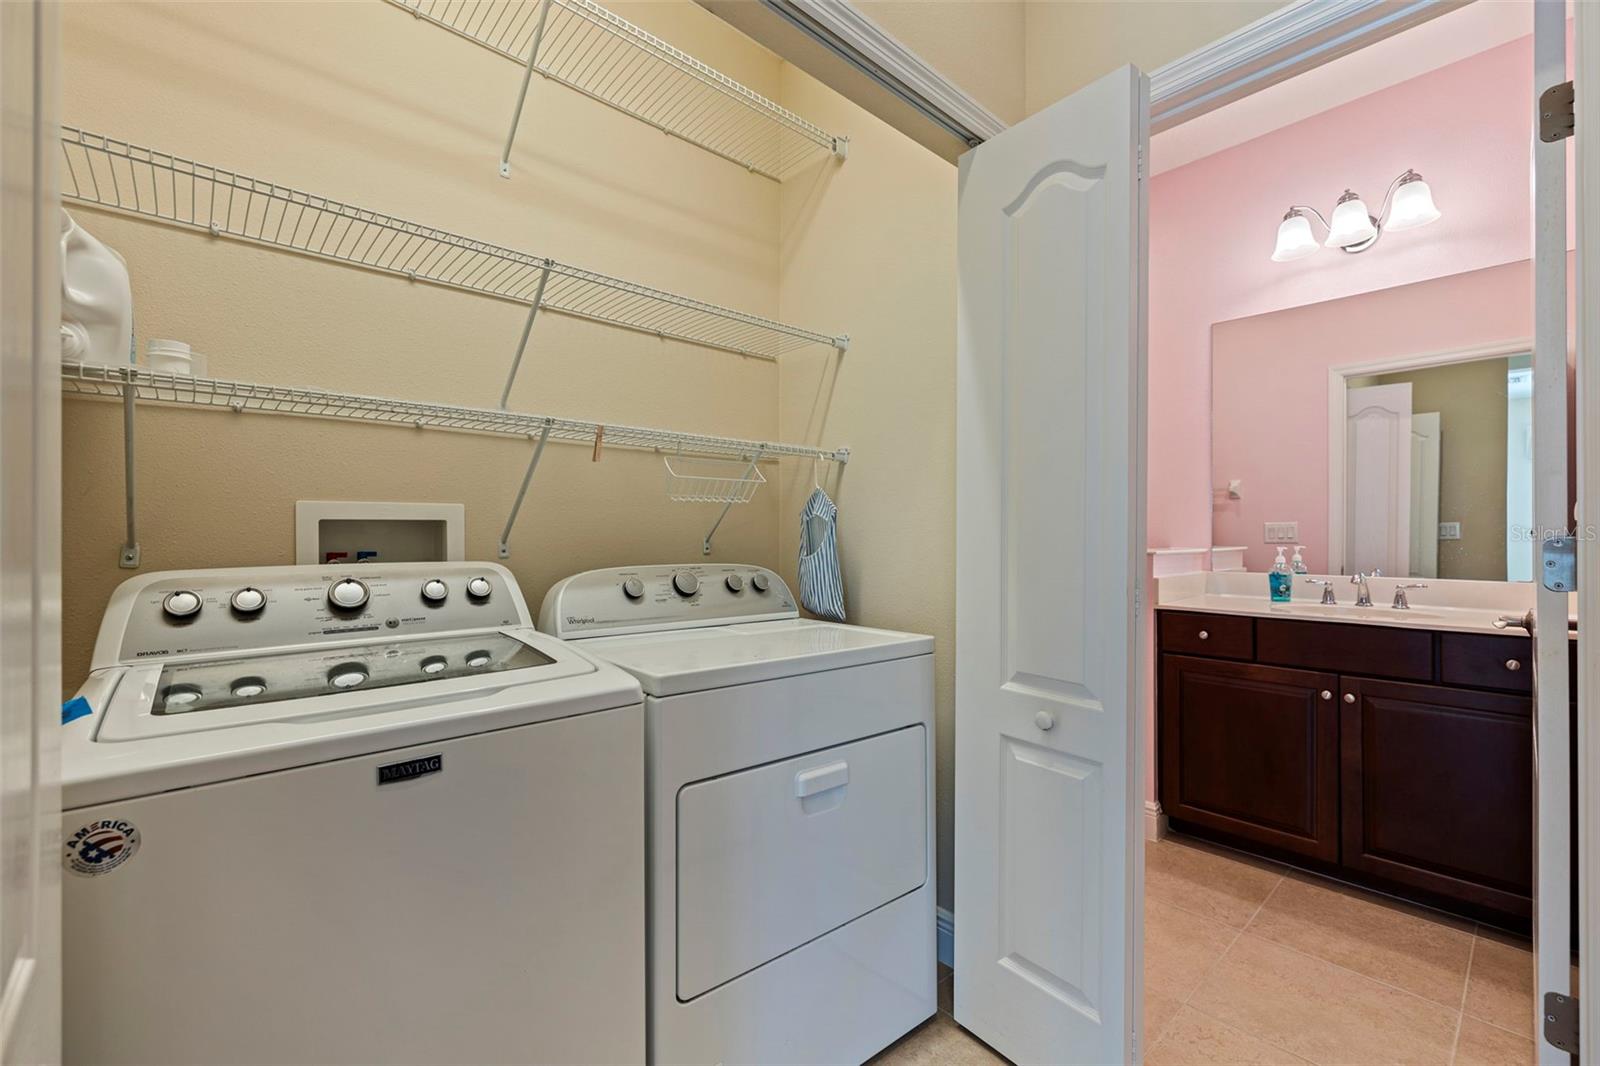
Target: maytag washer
pixel 790 795
pixel 350 814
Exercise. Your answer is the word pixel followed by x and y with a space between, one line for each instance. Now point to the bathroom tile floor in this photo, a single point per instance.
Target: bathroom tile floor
pixel 1249 962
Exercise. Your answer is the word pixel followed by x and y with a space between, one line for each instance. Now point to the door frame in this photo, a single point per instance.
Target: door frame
pixel 1338 411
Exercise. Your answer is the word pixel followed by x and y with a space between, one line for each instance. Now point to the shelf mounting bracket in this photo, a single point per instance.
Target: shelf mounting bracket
pixel 705 546
pixel 522 492
pixel 522 94
pixel 128 557
pixel 527 329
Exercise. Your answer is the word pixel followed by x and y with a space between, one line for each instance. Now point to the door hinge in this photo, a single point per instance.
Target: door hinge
pixel 1557 118
pixel 1560 563
pixel 1561 1021
pixel 1138 166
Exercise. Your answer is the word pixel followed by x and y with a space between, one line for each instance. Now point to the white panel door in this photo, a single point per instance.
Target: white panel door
pixel 1377 479
pixel 30 539
pixel 1552 901
pixel 1425 444
pixel 1049 565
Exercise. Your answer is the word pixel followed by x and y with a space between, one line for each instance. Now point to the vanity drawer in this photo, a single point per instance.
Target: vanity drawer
pixel 1220 636
pixel 1340 647
pixel 1483 661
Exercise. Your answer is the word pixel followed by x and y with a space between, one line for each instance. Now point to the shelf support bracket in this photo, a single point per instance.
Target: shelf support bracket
pixel 705 546
pixel 522 492
pixel 522 94
pixel 128 558
pixel 527 329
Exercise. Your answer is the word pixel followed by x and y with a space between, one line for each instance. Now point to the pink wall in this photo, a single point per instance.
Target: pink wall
pixel 1466 127
pixel 1294 349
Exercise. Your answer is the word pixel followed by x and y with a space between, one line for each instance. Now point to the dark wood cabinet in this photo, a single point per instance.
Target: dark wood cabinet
pixel 1252 751
pixel 1414 774
pixel 1437 791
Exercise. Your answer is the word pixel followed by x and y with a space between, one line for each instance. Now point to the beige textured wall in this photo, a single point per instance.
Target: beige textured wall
pixel 359 101
pixel 1072 42
pixel 873 242
pixel 978 44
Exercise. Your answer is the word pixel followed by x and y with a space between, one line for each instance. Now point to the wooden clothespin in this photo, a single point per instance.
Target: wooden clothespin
pixel 599 439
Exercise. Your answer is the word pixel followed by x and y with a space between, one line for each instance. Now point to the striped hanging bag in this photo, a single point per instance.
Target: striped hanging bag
pixel 821 586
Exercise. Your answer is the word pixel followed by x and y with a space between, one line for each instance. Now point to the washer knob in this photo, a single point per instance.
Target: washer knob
pixel 760 582
pixel 685 583
pixel 181 604
pixel 347 676
pixel 633 588
pixel 479 588
pixel 248 600
pixel 735 583
pixel 435 591
pixel 347 594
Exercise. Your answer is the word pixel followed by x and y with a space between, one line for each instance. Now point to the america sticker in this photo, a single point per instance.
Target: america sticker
pixel 100 847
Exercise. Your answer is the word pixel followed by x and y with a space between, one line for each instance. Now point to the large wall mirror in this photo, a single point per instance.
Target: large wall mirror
pixel 1388 431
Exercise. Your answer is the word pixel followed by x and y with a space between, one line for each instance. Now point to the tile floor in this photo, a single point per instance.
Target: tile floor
pixel 1248 962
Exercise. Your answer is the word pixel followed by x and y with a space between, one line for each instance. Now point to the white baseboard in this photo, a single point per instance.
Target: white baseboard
pixel 1155 823
pixel 945 923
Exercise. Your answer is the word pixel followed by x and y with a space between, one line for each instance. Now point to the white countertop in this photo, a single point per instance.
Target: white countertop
pixel 1468 607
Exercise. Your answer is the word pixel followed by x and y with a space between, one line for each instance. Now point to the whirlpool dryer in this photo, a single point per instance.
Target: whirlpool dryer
pixel 790 798
pixel 365 814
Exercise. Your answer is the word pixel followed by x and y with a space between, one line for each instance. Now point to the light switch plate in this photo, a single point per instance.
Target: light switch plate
pixel 1280 532
pixel 1449 530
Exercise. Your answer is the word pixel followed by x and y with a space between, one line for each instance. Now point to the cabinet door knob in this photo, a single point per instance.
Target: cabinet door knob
pixel 1349 697
pixel 1513 664
pixel 1044 720
pixel 1327 695
pixel 1204 635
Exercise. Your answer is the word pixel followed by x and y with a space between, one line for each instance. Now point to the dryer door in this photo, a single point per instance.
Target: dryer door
pixel 775 856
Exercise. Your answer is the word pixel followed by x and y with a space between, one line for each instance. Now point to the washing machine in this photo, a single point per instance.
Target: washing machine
pixel 328 814
pixel 790 813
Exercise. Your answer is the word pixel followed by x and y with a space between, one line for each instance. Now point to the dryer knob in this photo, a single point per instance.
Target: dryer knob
pixel 181 604
pixel 735 583
pixel 435 591
pixel 685 583
pixel 248 600
pixel 633 588
pixel 479 588
pixel 347 594
pixel 760 582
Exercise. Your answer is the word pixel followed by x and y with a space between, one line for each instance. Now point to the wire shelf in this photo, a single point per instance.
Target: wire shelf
pixel 691 480
pixel 101 380
pixel 104 172
pixel 583 46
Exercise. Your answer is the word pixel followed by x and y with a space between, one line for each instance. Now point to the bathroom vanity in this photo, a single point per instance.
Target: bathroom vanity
pixel 1389 748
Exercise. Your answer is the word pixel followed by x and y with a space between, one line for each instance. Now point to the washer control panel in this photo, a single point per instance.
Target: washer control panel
pixel 211 611
pixel 641 599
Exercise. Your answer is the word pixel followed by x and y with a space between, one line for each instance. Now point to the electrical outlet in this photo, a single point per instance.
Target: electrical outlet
pixel 1449 530
pixel 1280 532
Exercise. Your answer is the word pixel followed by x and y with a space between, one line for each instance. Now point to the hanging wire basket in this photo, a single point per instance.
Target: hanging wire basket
pixel 691 480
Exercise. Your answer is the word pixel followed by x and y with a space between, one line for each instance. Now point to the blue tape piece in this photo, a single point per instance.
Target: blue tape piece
pixel 75 708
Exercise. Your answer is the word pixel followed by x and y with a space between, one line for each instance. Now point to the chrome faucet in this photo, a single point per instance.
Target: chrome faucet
pixel 1363 594
pixel 1327 591
pixel 1400 603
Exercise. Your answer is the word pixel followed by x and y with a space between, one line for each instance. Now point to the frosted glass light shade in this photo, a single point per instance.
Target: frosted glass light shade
pixel 1351 224
pixel 1295 239
pixel 1413 206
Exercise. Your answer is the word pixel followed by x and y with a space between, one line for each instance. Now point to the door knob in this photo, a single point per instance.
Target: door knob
pixel 1349 697
pixel 1327 695
pixel 1044 720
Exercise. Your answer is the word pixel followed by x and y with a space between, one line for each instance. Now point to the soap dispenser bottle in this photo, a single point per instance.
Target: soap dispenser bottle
pixel 1279 582
pixel 1298 563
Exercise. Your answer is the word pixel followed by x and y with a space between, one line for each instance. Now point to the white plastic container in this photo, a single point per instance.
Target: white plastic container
pixel 96 299
pixel 174 357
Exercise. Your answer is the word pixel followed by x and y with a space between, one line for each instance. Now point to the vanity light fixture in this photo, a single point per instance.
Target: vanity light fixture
pixel 1353 228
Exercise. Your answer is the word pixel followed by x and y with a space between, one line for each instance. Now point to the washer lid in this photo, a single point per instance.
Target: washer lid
pixel 715 657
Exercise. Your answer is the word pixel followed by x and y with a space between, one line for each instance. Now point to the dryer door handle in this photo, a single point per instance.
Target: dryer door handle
pixel 821 779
